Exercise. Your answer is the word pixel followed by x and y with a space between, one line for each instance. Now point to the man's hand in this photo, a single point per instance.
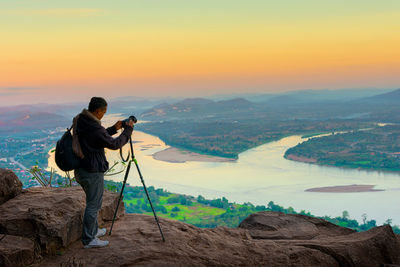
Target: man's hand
pixel 118 125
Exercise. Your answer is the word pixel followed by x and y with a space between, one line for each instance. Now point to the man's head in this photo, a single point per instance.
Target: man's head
pixel 98 107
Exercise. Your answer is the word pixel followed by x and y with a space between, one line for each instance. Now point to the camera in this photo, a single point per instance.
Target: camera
pixel 131 118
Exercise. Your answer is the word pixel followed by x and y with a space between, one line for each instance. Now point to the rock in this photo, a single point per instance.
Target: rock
pixel 52 217
pixel 42 221
pixel 277 225
pixel 10 185
pixel 16 251
pixel 109 205
pixel 136 241
pixel 375 247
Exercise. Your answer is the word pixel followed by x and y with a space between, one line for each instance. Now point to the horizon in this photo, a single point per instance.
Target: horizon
pixel 214 97
pixel 71 50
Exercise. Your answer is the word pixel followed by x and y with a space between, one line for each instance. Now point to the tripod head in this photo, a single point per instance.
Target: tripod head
pixel 126 121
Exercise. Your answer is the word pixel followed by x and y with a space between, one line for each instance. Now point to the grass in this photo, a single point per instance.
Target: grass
pixel 365 162
pixel 190 214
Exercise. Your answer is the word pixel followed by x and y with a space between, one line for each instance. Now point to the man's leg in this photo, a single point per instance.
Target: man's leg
pixel 99 195
pixel 93 185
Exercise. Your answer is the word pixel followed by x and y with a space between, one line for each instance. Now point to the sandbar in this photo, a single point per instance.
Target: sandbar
pixel 354 188
pixel 301 159
pixel 175 155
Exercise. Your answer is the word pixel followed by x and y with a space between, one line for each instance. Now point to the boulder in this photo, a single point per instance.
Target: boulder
pixel 16 251
pixel 136 241
pixel 52 217
pixel 375 247
pixel 10 185
pixel 278 225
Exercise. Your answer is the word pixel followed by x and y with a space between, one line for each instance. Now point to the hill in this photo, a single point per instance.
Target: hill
pixel 198 108
pixel 390 97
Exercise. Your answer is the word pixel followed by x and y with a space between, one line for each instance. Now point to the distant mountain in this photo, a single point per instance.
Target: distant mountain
pixel 22 119
pixel 67 110
pixel 195 101
pixel 330 95
pixel 283 100
pixel 390 97
pixel 235 103
pixel 306 96
pixel 197 108
pixel 176 110
pixel 134 106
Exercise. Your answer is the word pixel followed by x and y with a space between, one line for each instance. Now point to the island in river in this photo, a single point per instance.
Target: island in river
pixel 176 155
pixel 354 188
pixel 374 149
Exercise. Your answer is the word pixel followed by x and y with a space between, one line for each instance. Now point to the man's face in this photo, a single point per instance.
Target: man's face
pixel 99 113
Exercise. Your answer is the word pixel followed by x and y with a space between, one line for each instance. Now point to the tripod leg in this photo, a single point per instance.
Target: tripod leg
pixel 120 195
pixel 148 198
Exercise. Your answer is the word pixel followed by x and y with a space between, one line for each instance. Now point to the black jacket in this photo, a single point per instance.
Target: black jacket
pixel 93 138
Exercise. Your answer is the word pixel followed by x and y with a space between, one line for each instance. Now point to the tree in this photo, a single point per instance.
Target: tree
pixel 364 218
pixel 175 209
pixel 162 209
pixel 345 215
pixel 200 199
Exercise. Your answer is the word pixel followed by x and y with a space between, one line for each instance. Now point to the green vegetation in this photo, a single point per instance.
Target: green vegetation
pixel 375 149
pixel 212 213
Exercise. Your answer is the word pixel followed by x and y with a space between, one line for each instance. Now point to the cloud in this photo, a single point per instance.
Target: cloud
pixel 56 12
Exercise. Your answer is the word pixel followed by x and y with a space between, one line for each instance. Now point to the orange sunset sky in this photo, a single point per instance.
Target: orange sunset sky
pixel 69 50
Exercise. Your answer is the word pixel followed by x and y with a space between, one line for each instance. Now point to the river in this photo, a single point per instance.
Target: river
pixel 261 175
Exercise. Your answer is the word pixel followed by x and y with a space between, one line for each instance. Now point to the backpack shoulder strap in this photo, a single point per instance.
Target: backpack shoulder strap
pixel 70 128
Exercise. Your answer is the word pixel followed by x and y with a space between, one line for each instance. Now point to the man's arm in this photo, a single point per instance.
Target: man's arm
pixel 107 141
pixel 111 130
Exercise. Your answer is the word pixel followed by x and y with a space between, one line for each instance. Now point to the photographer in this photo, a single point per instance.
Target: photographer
pixel 89 141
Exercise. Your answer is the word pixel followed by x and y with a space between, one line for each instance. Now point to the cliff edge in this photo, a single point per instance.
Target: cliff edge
pixel 41 227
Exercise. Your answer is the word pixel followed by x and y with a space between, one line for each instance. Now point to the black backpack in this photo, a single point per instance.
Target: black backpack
pixel 66 159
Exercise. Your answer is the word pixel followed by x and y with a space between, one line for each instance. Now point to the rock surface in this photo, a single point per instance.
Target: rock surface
pixel 136 241
pixel 43 228
pixel 10 185
pixel 51 217
pixel 277 225
pixel 16 251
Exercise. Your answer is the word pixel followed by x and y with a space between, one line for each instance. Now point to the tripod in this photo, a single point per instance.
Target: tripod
pixel 132 155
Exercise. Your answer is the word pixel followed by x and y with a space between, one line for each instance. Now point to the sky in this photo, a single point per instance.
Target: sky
pixel 64 51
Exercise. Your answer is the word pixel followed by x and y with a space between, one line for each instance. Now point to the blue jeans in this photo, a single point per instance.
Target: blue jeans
pixel 93 185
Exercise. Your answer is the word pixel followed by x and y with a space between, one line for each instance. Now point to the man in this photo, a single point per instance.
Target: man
pixel 89 141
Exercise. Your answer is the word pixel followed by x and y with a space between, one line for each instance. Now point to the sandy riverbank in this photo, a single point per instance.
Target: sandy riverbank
pixel 301 159
pixel 175 155
pixel 355 188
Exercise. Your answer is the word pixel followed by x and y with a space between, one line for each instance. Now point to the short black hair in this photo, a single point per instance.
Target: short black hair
pixel 96 103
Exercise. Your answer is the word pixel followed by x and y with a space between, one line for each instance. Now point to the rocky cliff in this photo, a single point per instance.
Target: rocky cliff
pixel 41 227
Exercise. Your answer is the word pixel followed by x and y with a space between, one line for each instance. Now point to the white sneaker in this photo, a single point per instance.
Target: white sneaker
pixel 101 232
pixel 97 243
